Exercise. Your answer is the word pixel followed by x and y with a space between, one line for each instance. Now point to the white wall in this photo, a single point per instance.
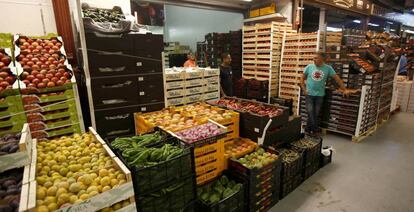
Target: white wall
pixel 189 25
pixel 25 17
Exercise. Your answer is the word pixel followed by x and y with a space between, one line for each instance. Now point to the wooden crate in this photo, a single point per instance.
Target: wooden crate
pixel 22 157
pixel 99 201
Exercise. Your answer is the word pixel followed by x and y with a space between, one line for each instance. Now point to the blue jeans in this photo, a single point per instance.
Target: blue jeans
pixel 313 107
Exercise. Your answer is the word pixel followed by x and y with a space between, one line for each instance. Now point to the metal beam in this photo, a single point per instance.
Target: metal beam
pixel 227 5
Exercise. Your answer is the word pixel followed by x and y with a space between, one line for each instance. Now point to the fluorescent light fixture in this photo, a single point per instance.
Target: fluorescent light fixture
pixel 357 21
pixel 333 29
pixel 409 31
pixel 374 25
pixel 392 30
pixel 390 22
pixel 301 8
pixel 247 0
pixel 412 10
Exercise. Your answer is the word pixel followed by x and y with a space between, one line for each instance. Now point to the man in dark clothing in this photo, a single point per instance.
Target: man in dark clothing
pixel 226 76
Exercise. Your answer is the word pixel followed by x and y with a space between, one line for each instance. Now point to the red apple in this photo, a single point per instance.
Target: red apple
pixel 35 67
pixel 4 84
pixel 41 85
pixel 31 85
pixel 45 80
pixel 36 81
pixel 40 76
pixel 60 82
pixel 26 82
pixel 54 79
pixel 34 73
pixel 51 84
pixel 30 77
pixel 4 74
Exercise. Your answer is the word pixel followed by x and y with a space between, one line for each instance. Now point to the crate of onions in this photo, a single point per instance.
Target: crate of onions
pixel 202 134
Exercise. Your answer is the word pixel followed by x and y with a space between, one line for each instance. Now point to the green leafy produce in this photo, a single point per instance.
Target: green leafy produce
pixel 137 141
pixel 103 15
pixel 146 150
pixel 218 190
pixel 257 159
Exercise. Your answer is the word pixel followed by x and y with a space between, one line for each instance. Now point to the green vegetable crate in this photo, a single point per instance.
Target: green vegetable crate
pixel 225 194
pixel 156 175
pixel 263 184
pixel 178 196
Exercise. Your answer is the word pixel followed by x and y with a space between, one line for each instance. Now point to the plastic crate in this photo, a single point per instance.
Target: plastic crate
pixel 207 158
pixel 208 167
pixel 177 196
pixel 207 177
pixel 311 169
pixel 289 185
pixel 233 203
pixel 310 155
pixel 10 101
pixel 147 179
pixel 214 146
pixel 293 168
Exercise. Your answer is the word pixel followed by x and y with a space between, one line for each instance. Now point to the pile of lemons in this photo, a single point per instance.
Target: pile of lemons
pixel 73 169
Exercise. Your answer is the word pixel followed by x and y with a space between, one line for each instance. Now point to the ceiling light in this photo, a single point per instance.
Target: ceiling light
pixel 390 22
pixel 392 30
pixel 409 31
pixel 413 10
pixel 301 8
pixel 357 21
pixel 247 0
pixel 374 25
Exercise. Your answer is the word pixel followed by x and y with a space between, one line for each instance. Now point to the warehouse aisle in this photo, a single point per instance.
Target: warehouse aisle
pixel 375 175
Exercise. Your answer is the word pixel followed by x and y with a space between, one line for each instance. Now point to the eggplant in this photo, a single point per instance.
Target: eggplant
pixel 12 191
pixel 9 183
pixel 6 147
pixel 14 148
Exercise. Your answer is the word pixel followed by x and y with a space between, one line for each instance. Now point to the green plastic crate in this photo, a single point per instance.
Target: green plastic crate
pixel 10 101
pixel 72 120
pixel 71 112
pixel 73 129
pixel 17 119
pixel 13 109
pixel 63 105
pixel 11 129
pixel 68 94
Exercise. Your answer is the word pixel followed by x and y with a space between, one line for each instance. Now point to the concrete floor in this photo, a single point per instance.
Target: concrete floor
pixel 375 175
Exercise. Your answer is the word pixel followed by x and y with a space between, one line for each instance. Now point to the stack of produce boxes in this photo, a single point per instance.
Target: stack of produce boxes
pixel 11 107
pixel 48 87
pixel 311 149
pixel 125 75
pixel 292 170
pixel 81 174
pixel 207 154
pixel 189 85
pixel 162 171
pixel 260 171
pixel 298 51
pixel 208 149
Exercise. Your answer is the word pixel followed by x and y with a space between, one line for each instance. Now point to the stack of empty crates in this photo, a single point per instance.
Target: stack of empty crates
pixel 298 52
pixel 333 39
pixel 405 96
pixel 262 46
pixel 387 87
pixel 189 85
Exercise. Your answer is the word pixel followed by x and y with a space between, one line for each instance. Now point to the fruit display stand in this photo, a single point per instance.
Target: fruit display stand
pixel 162 170
pixel 189 85
pixel 22 156
pixel 262 45
pixel 112 192
pixel 52 111
pixel 262 180
pixel 297 53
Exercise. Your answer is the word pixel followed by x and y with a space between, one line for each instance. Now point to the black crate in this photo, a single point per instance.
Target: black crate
pixel 144 108
pixel 150 88
pixel 258 123
pixel 293 168
pixel 153 178
pixel 110 92
pixel 289 185
pixel 310 154
pixel 110 43
pixel 311 169
pixel 178 199
pixel 115 121
pixel 325 160
pixel 265 203
pixel 291 132
pixel 233 203
pixel 283 102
